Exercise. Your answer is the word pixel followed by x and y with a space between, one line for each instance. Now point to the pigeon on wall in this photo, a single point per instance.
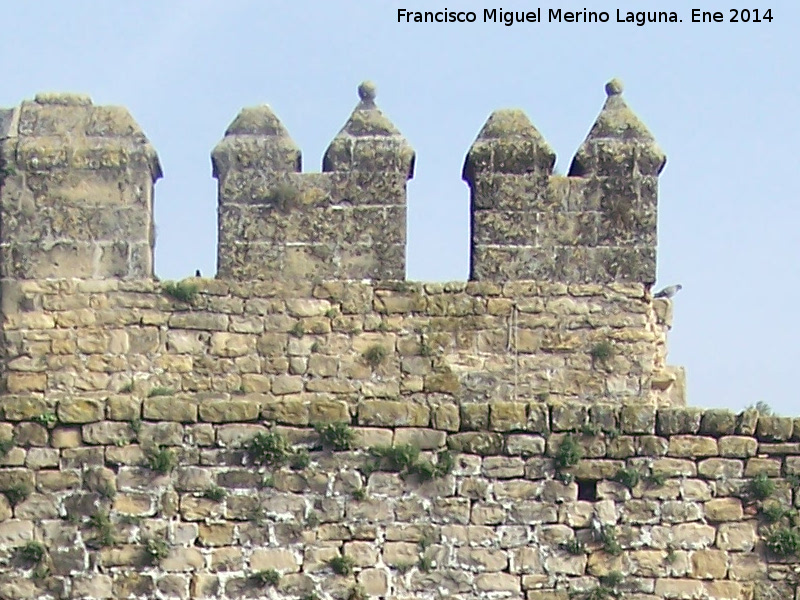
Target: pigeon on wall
pixel 669 291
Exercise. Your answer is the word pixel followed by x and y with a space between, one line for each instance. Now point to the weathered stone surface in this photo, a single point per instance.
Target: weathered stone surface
pixel 80 410
pixel 125 400
pixel 385 412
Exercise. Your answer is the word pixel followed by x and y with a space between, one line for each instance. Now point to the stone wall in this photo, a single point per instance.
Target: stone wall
pixel 310 426
pixel 164 497
pixel 348 222
pixel 422 343
pixel 596 225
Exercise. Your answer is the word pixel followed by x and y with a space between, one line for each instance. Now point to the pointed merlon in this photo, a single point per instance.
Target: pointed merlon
pixel 508 143
pixel 619 143
pixel 369 141
pixel 256 139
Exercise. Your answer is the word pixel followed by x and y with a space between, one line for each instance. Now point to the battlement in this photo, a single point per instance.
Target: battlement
pixel 596 225
pixel 77 191
pixel 309 425
pixel 77 198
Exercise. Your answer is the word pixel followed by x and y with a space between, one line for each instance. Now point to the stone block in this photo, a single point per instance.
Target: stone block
pixel 80 410
pixel 227 411
pixel 388 413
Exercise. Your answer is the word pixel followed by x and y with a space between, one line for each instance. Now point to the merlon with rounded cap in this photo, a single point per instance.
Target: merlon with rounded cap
pixel 369 141
pixel 618 141
pixel 256 138
pixel 509 143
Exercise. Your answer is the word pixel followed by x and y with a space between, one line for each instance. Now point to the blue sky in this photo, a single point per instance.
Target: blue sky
pixel 722 99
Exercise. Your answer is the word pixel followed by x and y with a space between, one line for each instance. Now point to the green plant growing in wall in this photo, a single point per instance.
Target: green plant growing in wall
pixel 612 579
pixel 375 355
pixel 47 419
pixel 156 549
pixel 17 493
pixel 445 463
pixel 270 449
pixel 182 291
pixel 629 477
pixel 215 493
pixel 609 541
pixel 7 171
pixel 405 459
pixel 782 541
pixel 311 596
pixel 601 353
pixel 160 459
pixel 568 454
pixel 300 459
pixel 107 490
pixel 574 546
pixel 337 436
pixel 127 388
pixel 104 528
pixel 424 469
pixel 760 487
pixel 591 429
pixel 342 565
pixel 268 577
pixel 359 494
pixel 400 458
pixel 425 564
pixel 32 552
pixel 774 512
pixel 426 541
pixel 298 330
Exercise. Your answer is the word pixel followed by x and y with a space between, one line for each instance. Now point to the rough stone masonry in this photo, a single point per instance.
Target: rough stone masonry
pixel 309 425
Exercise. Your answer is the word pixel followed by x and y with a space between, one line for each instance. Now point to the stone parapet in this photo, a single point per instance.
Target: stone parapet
pixel 348 222
pixel 471 342
pixel 596 225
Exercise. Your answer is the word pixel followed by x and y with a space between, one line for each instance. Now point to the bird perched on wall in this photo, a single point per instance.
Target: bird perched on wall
pixel 669 291
pixel 197 273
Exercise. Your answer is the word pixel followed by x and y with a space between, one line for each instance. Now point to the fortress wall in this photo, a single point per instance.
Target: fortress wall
pixel 646 503
pixel 309 426
pixel 457 342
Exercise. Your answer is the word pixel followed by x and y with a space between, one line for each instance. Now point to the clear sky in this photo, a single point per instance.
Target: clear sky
pixel 722 99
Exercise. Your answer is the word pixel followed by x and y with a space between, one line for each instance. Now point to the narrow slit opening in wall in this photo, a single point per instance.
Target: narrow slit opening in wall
pixel 587 490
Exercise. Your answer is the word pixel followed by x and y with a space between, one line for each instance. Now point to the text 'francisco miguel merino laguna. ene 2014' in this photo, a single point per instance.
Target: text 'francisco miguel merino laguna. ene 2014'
pixel 552 15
